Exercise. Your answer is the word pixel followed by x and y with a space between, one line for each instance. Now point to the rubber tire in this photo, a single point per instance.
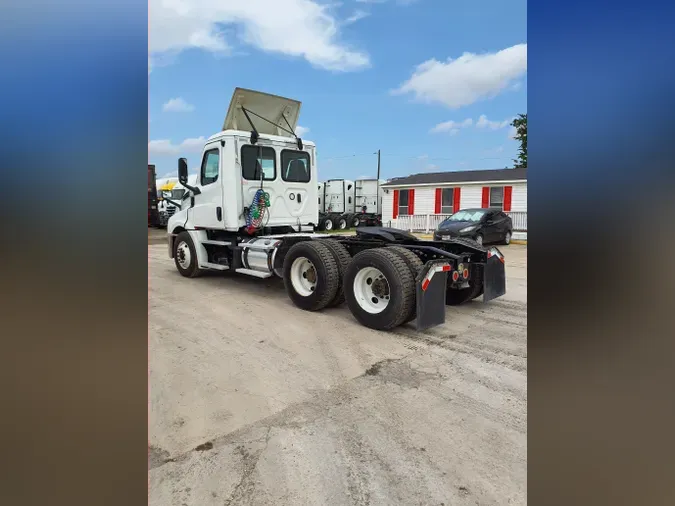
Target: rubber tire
pixel 415 265
pixel 193 270
pixel 481 244
pixel 401 285
pixel 475 289
pixel 340 222
pixel 324 222
pixel 510 238
pixel 327 275
pixel 356 221
pixel 343 258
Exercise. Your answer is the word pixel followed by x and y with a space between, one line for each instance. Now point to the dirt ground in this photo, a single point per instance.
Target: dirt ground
pixel 255 402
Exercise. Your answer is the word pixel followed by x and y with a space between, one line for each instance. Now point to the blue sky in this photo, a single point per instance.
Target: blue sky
pixel 432 83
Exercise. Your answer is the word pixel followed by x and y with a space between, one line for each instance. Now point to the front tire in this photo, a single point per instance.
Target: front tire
pixel 311 275
pixel 356 222
pixel 327 224
pixel 380 289
pixel 507 238
pixel 341 224
pixel 185 256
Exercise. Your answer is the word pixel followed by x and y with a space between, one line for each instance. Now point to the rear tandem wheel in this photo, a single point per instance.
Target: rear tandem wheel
pixel 311 275
pixel 380 289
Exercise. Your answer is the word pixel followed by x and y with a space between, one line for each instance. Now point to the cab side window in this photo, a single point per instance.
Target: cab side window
pixel 210 165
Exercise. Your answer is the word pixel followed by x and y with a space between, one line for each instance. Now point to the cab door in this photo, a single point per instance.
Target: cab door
pixel 208 209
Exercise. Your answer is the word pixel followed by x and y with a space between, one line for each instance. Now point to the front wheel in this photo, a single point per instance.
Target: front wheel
pixel 185 256
pixel 327 224
pixel 342 224
pixel 380 289
pixel 356 222
pixel 507 238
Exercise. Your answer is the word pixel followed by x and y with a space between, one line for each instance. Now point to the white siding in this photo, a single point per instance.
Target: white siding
pixel 387 207
pixel 425 199
pixel 470 196
pixel 519 198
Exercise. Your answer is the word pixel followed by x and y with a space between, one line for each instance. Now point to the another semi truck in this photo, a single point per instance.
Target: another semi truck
pixel 254 208
pixel 336 210
pixel 153 213
pixel 345 204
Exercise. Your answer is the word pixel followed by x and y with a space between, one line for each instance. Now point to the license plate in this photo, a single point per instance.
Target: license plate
pixel 446 237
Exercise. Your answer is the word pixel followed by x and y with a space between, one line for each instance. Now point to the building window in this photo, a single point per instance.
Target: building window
pixel 403 202
pixel 447 201
pixel 496 197
pixel 209 172
pixel 257 159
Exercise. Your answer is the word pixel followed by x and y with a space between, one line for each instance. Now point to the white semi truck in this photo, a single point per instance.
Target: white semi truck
pixel 344 204
pixel 336 204
pixel 253 210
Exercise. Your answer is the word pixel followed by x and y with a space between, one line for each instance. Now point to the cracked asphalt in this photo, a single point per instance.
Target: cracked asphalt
pixel 255 402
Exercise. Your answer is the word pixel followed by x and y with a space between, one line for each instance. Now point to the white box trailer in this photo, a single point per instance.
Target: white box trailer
pixel 253 211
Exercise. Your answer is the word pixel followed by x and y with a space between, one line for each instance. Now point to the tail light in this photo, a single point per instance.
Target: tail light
pixel 455 276
pixel 466 273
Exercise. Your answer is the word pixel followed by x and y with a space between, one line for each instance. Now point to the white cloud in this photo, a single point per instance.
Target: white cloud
pixel 300 28
pixel 452 127
pixel 300 131
pixel 177 105
pixel 483 122
pixel 356 16
pixel 164 147
pixel 467 79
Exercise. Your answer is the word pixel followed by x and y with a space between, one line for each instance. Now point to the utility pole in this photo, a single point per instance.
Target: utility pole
pixel 377 191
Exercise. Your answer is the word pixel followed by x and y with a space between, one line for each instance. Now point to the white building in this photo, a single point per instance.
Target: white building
pixel 421 201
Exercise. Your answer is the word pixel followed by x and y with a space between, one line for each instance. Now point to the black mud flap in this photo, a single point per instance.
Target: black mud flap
pixel 494 278
pixel 430 289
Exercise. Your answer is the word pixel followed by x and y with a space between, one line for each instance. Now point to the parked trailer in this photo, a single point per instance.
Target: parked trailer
pixel 336 204
pixel 244 215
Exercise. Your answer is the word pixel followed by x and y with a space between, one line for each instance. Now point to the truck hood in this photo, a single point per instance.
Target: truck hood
pixel 268 106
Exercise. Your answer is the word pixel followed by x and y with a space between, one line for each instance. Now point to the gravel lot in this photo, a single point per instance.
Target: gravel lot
pixel 255 402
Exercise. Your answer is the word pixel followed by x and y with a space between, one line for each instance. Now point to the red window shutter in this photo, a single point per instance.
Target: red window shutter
pixel 411 201
pixel 395 215
pixel 456 199
pixel 437 203
pixel 486 197
pixel 508 190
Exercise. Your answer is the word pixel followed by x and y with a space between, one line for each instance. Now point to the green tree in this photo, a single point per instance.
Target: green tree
pixel 520 124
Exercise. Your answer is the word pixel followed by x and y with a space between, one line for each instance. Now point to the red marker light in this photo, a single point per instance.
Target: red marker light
pixel 455 276
pixel 466 274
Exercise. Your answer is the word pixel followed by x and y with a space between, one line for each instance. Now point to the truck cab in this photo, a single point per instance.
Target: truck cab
pixel 255 173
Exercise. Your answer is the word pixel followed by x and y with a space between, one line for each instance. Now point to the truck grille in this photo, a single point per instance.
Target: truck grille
pixel 170 210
